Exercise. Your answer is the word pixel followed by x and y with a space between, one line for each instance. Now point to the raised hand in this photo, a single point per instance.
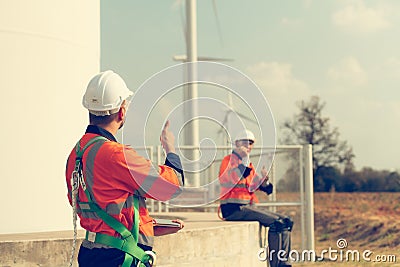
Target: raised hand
pixel 167 139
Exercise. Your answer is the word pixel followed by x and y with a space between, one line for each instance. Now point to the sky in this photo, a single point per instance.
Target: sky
pixel 344 51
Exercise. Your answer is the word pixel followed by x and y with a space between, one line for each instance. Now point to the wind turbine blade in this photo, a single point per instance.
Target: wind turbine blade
pixel 241 115
pixel 246 117
pixel 217 21
pixel 183 23
pixel 183 58
pixel 202 58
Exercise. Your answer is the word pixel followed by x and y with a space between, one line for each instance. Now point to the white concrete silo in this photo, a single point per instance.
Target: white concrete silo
pixel 48 50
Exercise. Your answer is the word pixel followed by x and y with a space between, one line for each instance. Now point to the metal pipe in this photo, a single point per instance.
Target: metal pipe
pixel 302 197
pixel 309 196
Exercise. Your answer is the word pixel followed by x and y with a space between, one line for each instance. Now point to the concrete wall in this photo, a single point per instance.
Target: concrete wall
pixel 49 50
pixel 203 242
pixel 226 245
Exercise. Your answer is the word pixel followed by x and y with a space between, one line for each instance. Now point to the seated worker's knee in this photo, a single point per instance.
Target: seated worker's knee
pixel 288 223
pixel 277 226
pixel 280 225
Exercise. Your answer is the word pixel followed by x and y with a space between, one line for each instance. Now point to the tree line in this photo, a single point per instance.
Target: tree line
pixel 333 165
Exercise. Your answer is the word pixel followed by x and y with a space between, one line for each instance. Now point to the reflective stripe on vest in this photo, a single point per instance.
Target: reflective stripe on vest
pixel 235 200
pixel 229 185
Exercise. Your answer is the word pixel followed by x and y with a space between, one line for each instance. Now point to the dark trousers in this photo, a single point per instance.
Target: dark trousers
pixel 103 257
pixel 100 257
pixel 279 228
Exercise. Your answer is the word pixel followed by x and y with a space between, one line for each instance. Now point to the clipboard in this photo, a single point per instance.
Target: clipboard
pixel 165 223
pixel 165 227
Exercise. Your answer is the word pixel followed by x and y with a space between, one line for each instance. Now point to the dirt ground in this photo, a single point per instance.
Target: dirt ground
pixel 366 223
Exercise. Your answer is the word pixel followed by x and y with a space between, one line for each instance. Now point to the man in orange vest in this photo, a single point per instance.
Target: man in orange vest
pixel 108 182
pixel 238 183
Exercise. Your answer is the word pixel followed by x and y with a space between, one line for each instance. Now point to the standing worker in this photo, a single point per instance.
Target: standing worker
pixel 108 182
pixel 239 181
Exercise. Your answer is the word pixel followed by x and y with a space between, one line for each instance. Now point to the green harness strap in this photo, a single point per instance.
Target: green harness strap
pixel 129 240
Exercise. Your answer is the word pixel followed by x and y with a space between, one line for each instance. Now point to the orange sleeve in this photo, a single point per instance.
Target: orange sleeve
pixel 140 176
pixel 223 166
pixel 168 174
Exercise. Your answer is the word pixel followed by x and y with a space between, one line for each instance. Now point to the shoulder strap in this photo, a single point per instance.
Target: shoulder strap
pixel 78 161
pixel 79 152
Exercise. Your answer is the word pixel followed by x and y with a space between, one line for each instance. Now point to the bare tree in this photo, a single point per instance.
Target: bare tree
pixel 309 126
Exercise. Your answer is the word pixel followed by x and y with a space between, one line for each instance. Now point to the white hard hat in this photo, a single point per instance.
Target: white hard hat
pixel 105 93
pixel 245 135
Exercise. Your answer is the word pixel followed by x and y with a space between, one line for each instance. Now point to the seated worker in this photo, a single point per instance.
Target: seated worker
pixel 108 182
pixel 239 181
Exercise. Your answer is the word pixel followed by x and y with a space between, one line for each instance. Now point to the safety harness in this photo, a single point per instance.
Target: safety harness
pixel 128 241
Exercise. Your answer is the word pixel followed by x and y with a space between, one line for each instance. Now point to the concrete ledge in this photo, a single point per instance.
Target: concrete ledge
pixel 205 241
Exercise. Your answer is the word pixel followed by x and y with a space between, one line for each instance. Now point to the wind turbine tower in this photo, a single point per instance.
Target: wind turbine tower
pixel 191 134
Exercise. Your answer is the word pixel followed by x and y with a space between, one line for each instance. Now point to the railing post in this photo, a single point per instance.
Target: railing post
pixel 309 196
pixel 152 159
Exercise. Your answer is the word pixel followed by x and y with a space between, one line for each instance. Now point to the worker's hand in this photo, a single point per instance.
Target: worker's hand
pixel 181 223
pixel 264 173
pixel 242 151
pixel 167 139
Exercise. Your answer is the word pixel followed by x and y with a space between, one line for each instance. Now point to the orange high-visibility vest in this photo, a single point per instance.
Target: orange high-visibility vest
pixel 115 172
pixel 234 187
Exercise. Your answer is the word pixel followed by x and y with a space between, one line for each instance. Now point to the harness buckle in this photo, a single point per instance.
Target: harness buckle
pixel 152 260
pixel 91 236
pixel 76 175
pixel 78 162
pixel 75 180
